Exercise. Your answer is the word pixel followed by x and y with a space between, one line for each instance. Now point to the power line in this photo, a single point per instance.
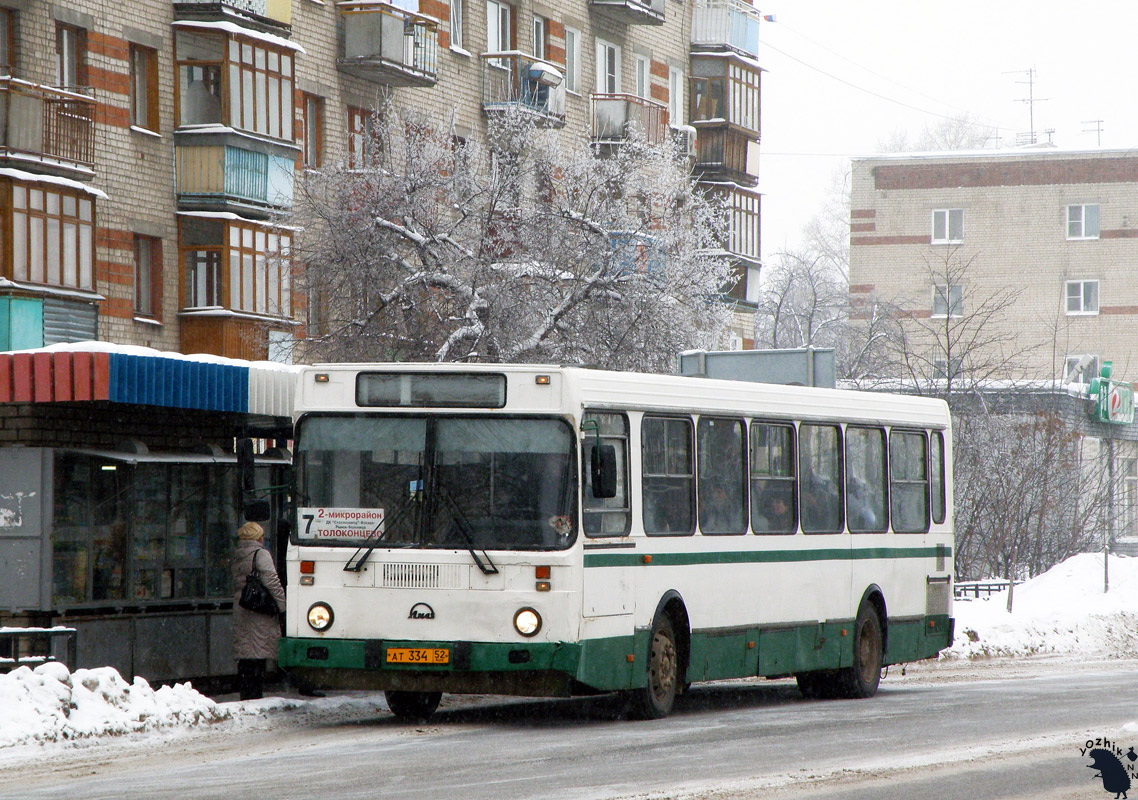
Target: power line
pixel 886 98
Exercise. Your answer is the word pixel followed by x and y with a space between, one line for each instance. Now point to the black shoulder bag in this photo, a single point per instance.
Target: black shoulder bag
pixel 256 596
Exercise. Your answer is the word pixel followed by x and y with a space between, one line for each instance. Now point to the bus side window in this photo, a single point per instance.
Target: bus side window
pixel 722 483
pixel 940 500
pixel 909 484
pixel 774 506
pixel 820 471
pixel 865 480
pixel 668 477
pixel 606 516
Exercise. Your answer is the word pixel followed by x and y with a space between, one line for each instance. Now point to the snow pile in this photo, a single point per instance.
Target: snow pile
pixel 50 703
pixel 1064 611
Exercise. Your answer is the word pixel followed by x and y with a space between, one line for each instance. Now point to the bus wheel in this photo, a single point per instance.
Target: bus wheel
pixel 655 700
pixel 413 706
pixel 862 678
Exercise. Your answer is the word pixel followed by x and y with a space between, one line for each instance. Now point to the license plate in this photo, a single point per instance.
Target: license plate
pixel 418 655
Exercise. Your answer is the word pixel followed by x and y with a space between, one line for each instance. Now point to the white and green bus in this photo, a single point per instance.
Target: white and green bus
pixel 557 531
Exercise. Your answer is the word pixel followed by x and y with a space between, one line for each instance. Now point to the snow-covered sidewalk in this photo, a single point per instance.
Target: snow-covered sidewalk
pixel 1063 612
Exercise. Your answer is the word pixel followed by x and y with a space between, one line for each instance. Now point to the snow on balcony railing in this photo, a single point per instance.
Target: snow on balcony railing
pixel 46 124
pixel 726 23
pixel 275 10
pixel 615 116
pixel 514 79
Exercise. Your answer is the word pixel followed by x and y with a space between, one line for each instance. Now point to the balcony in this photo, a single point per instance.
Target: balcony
pixel 618 118
pixel 272 16
pixel 725 25
pixel 726 153
pixel 46 130
pixel 743 206
pixel 388 45
pixel 630 12
pixel 513 80
pixel 224 171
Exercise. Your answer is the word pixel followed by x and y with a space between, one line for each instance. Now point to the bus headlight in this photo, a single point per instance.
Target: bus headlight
pixel 527 622
pixel 320 616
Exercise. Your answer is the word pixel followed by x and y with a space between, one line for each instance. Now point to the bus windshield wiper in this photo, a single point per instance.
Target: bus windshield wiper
pixel 360 557
pixel 462 525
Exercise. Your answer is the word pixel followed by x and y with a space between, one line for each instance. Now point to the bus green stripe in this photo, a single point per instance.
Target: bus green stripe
pixel 762 556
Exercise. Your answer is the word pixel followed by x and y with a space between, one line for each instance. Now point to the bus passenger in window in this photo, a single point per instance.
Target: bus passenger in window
pixel 777 511
pixel 862 516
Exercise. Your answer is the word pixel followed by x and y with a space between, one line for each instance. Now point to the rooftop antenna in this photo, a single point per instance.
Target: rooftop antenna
pixel 1097 130
pixel 1031 99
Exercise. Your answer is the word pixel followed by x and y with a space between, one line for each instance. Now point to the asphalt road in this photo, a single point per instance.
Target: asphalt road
pixel 967 733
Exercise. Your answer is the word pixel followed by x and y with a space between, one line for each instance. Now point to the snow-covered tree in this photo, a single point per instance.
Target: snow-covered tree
pixel 528 247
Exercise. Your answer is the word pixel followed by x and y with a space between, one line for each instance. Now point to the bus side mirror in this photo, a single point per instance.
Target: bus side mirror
pixel 253 510
pixel 603 471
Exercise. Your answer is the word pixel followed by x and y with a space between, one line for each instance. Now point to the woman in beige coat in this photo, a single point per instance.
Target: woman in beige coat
pixel 255 635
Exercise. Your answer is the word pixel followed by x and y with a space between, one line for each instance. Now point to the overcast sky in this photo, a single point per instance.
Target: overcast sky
pixel 842 75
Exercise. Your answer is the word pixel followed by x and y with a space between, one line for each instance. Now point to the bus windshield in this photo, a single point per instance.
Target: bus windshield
pixel 491 483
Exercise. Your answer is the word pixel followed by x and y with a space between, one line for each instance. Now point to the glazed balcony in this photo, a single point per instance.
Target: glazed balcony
pixel 726 153
pixel 227 172
pixel 743 206
pixel 630 12
pixel 388 45
pixel 725 25
pixel 274 16
pixel 46 130
pixel 620 117
pixel 514 80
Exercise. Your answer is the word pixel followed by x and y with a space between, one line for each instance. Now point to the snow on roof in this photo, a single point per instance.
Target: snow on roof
pixel 1025 152
pixel 33 177
pixel 238 30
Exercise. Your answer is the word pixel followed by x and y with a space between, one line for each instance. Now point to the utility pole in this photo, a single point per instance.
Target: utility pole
pixel 1097 130
pixel 1031 99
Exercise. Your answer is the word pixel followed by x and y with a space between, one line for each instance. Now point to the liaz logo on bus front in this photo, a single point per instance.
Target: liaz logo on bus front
pixel 421 611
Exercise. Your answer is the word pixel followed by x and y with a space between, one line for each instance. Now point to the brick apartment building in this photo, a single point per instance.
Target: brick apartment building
pixel 1057 227
pixel 151 148
pixel 150 151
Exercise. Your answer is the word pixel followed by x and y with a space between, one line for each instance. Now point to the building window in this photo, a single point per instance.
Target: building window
pixel 608 67
pixel 311 130
pixel 675 96
pixel 1082 297
pixel 53 239
pixel 144 87
pixel 361 136
pixel 147 275
pixel 70 56
pixel 1080 368
pixel 236 264
pixel 948 226
pixel 456 20
pixel 572 60
pixel 1082 222
pixel 540 32
pixel 235 81
pixel 499 27
pixel 643 77
pixel 948 301
pixel 1129 471
pixel 260 269
pixel 7 38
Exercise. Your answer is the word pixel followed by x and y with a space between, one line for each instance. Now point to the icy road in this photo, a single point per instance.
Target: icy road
pixel 944 731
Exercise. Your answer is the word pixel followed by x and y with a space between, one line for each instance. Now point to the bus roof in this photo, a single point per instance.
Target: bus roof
pixel 596 388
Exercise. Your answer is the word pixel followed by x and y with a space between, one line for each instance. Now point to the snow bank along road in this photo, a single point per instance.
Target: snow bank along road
pixel 989 729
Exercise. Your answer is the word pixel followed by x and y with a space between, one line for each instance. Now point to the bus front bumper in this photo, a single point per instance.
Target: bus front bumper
pixel 520 668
